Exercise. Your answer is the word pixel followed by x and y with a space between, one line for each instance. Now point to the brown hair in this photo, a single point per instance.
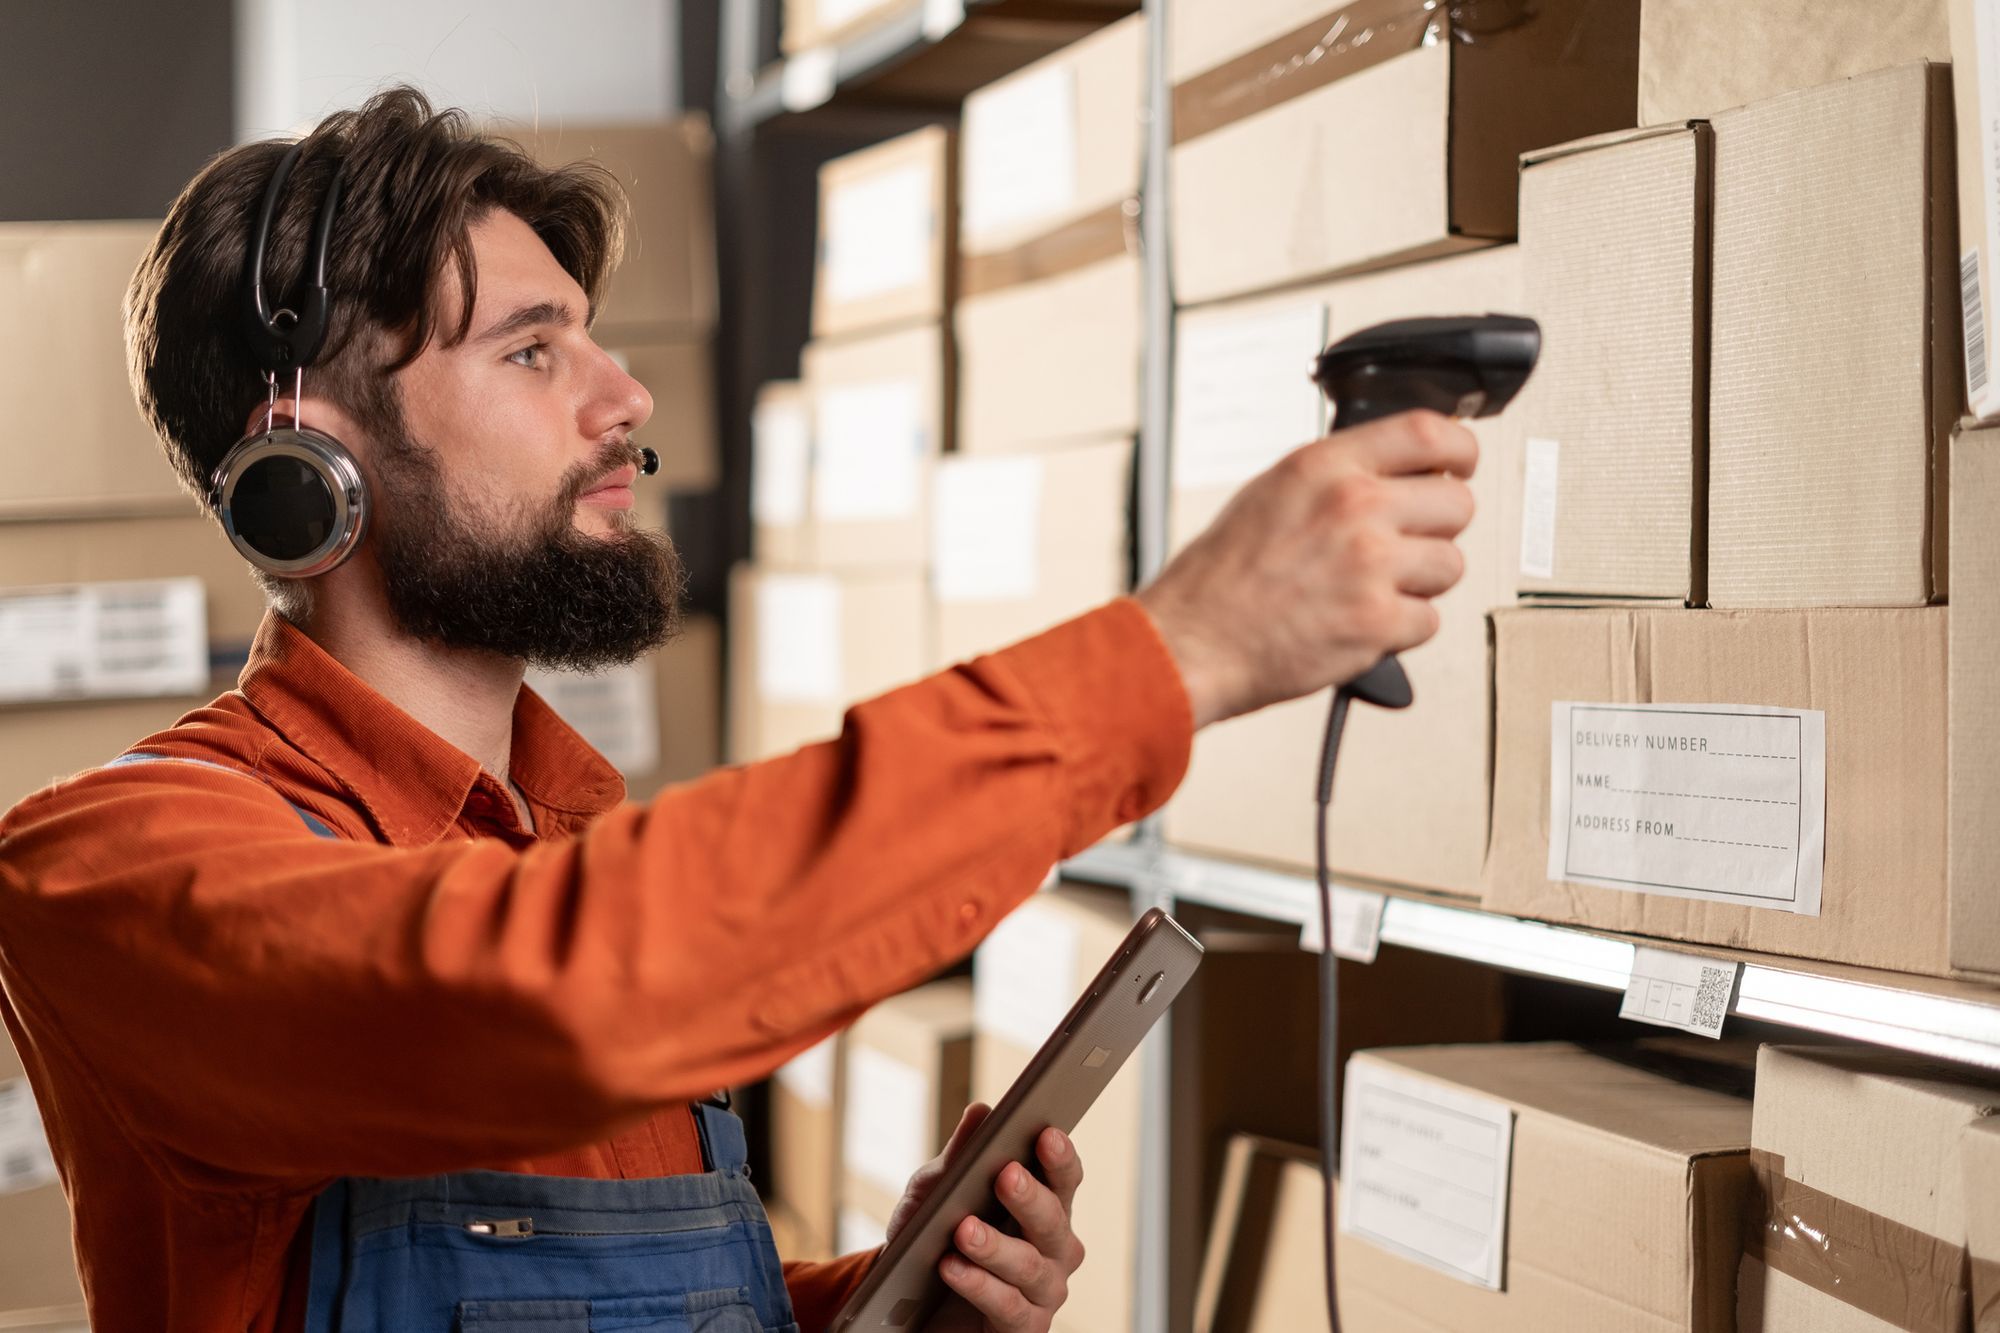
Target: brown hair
pixel 413 182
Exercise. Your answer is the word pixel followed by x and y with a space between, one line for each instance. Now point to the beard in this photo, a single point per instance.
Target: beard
pixel 541 591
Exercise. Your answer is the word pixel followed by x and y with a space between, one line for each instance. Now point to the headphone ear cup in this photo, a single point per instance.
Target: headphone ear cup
pixel 292 501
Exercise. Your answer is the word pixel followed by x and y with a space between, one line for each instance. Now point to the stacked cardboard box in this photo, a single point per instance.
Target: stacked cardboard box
pixel 805 1107
pixel 1846 1235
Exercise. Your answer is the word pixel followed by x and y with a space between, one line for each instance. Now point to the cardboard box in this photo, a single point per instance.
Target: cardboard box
pixel 1411 805
pixel 1049 309
pixel 908 1080
pixel 806 1098
pixel 1697 58
pixel 666 285
pixel 1623 1189
pixel 881 416
pixel 804 647
pixel 1025 541
pixel 1263 1270
pixel 888 234
pixel 1848 1234
pixel 39 1287
pixel 1879 677
pixel 1835 372
pixel 781 474
pixel 63 376
pixel 1975 702
pixel 1272 182
pixel 659 719
pixel 1025 978
pixel 1614 255
pixel 681 377
pixel 1975 61
pixel 810 23
pixel 1979 1153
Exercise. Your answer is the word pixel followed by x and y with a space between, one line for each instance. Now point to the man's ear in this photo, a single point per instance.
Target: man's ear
pixel 319 414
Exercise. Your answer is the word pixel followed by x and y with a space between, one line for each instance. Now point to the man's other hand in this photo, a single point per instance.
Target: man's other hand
pixel 1319 567
pixel 1006 1284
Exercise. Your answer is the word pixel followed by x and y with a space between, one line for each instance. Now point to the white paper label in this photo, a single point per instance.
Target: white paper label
pixel 799 648
pixel 25 1162
pixel 780 464
pixel 859 1231
pixel 942 17
pixel 807 80
pixel 1722 802
pixel 869 452
pixel 1024 977
pixel 1357 925
pixel 617 710
pixel 1423 1172
pixel 1243 393
pixel 986 534
pixel 1679 990
pixel 808 1075
pixel 1986 42
pixel 1019 151
pixel 879 230
pixel 104 640
pixel 1538 510
pixel 884 1128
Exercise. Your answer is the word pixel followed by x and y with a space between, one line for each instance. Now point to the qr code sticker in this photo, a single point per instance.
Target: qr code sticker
pixel 1711 998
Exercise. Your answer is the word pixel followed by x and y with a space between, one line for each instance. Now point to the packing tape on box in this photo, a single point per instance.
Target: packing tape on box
pixel 1108 233
pixel 1333 46
pixel 1879 1266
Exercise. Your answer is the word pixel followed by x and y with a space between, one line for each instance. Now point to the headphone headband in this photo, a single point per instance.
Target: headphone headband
pixel 286 340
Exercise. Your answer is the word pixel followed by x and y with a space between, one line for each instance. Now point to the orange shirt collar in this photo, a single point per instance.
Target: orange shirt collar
pixel 414 784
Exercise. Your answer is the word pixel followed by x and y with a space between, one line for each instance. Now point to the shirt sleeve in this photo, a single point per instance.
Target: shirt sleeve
pixel 819 1290
pixel 257 1002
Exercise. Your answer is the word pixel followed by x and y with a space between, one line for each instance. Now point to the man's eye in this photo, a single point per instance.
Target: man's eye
pixel 530 356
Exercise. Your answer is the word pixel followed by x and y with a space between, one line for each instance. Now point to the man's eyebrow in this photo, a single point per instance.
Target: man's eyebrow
pixel 527 317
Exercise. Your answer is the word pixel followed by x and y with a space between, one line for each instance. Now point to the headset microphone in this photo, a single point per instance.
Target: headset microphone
pixel 649 461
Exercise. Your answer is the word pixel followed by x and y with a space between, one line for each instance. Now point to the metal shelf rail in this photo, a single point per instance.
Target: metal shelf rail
pixel 1946 1019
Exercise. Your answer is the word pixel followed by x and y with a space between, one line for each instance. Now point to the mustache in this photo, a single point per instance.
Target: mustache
pixel 613 455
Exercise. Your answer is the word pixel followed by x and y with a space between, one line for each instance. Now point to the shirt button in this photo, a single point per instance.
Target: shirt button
pixel 968 913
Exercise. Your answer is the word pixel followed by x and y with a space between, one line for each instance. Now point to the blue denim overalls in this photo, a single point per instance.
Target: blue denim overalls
pixel 497 1252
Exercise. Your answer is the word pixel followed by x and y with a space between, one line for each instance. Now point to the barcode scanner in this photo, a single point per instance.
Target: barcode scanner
pixel 1467 366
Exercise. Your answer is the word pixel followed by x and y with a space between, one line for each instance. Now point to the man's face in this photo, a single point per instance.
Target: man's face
pixel 505 501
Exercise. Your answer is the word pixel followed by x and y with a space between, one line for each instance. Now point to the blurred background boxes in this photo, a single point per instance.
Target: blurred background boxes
pixel 1858 1154
pixel 1974 796
pixel 805 1106
pixel 1615 258
pixel 1412 804
pixel 659 719
pixel 39 1287
pixel 781 475
pixel 888 239
pixel 1836 364
pixel 1312 140
pixel 1048 319
pixel 1879 677
pixel 1024 541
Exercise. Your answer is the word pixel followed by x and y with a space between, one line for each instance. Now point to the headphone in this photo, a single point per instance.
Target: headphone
pixel 292 499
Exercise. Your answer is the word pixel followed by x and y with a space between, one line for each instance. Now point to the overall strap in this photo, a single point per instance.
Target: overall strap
pixel 312 821
pixel 723 1144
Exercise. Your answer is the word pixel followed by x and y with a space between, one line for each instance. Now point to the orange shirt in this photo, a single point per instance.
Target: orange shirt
pixel 220 1013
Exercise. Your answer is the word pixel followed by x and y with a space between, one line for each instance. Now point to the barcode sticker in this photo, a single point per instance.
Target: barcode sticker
pixel 104 640
pixel 1357 925
pixel 1679 990
pixel 1975 324
pixel 1538 509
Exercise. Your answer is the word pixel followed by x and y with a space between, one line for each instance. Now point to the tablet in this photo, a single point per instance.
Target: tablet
pixel 1104 1027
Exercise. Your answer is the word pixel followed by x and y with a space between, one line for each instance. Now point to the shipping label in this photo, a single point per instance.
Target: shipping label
pixel 1024 977
pixel 1679 990
pixel 1357 925
pixel 869 452
pixel 1019 153
pixel 883 1127
pixel 986 537
pixel 781 464
pixel 104 641
pixel 1243 393
pixel 808 1075
pixel 1538 509
pixel 879 231
pixel 799 643
pixel 617 710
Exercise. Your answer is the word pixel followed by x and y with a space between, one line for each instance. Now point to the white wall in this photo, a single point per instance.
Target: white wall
pixel 542 61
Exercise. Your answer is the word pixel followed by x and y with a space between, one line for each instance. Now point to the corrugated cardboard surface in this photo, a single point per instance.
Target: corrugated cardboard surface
pixel 885 642
pixel 930 1030
pixel 1624 1196
pixel 1052 360
pixel 681 377
pixel 37 1264
pixel 667 282
pixel 1083 552
pixel 1261 1272
pixel 1411 801
pixel 1979 1152
pixel 1836 369
pixel 62 376
pixel 1614 252
pixel 1108 69
pixel 1697 57
pixel 1107 1139
pixel 1975 702
pixel 920 355
pixel 934 149
pixel 1435 170
pixel 1880 677
pixel 1880 1130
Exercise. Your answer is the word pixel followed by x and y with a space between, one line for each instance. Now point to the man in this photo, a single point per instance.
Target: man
pixel 318 983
